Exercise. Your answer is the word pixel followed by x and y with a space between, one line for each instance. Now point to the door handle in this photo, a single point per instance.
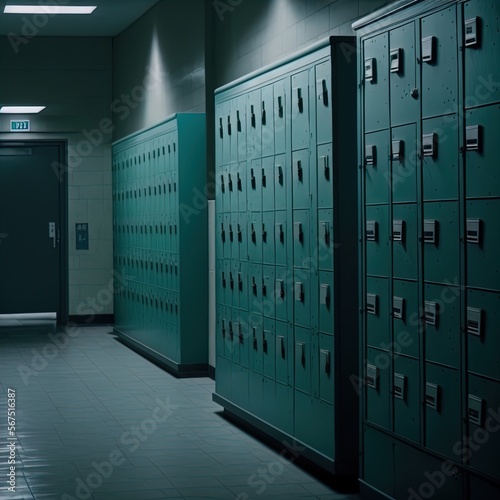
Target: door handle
pixel 52 233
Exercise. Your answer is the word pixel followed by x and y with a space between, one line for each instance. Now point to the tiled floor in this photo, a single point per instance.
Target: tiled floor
pixel 97 421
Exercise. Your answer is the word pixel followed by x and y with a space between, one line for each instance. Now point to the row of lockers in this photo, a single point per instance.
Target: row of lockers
pixel 302 297
pixel 274 238
pixel 438 403
pixel 261 185
pixel 159 251
pixel 398 167
pixel 439 238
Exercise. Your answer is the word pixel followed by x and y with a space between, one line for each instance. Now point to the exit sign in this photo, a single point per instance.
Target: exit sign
pixel 20 126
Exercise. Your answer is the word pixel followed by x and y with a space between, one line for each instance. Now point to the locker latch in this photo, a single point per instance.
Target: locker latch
pixel 370 155
pixel 281 341
pixel 324 298
pixel 396 56
pixel 474 321
pixel 254 339
pixel 280 232
pixel 240 282
pixel 264 289
pixel 472 137
pixel 430 231
pixel 221 130
pixel 223 233
pixel 230 182
pixel 264 340
pixel 264 233
pixel 280 289
pixel 264 119
pixel 323 91
pixel 300 171
pixel 399 386
pixel 240 235
pixel 224 281
pixel 398 307
pixel 252 115
pixel 429 49
pixel 372 303
pixel 301 353
pixel 397 150
pixel 238 120
pixel 370 70
pixel 254 234
pixel 224 328
pixel 231 281
pixel 372 376
pixel 300 100
pixel 231 233
pixel 229 125
pixel 475 410
pixel 241 338
pixel 264 177
pixel 252 178
pixel 431 310
pixel 279 173
pixel 398 230
pixel 325 229
pixel 254 285
pixel 222 185
pixel 280 106
pixel 237 329
pixel 238 181
pixel 472 32
pixel 432 396
pixel 231 332
pixel 299 292
pixel 325 360
pixel 429 144
pixel 474 231
pixel 371 230
pixel 326 168
pixel 299 235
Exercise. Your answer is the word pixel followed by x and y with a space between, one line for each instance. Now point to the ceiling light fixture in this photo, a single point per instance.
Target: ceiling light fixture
pixel 47 9
pixel 24 110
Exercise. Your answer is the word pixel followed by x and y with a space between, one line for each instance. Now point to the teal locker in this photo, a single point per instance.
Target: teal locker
pixel 241 127
pixel 377 243
pixel 268 178
pixel 234 236
pixel 302 297
pixel 405 241
pixel 241 278
pixel 404 164
pixel 376 83
pixel 255 234
pixel 232 130
pixel 254 124
pixel 268 238
pixel 377 165
pixel 325 244
pixel 403 75
pixel 281 110
pixel 323 79
pixel 326 302
pixel 303 360
pixel 242 236
pixel 482 179
pixel 440 158
pixel 442 409
pixel 283 411
pixel 255 288
pixel 377 374
pixel 301 179
pixel 483 339
pixel 441 242
pixel 240 389
pixel 483 416
pixel 439 56
pixel 268 291
pixel 326 369
pixel 324 162
pixel 234 192
pixel 256 352
pixel 267 117
pixel 280 185
pixel 301 238
pixel 254 186
pixel 280 238
pixel 483 240
pixel 269 348
pixel 406 317
pixel 241 186
pixel 228 236
pixel 300 110
pixel 283 352
pixel 283 291
pixel 481 40
pixel 244 338
pixel 377 312
pixel 406 397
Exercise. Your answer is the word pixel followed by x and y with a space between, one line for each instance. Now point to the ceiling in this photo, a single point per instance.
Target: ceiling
pixel 109 19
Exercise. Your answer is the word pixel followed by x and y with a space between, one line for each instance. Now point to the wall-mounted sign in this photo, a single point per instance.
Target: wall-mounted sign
pixel 20 126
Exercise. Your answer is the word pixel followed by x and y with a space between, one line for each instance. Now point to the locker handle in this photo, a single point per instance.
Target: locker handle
pixel 229 125
pixel 238 120
pixel 279 172
pixel 264 233
pixel 255 345
pixel 252 115
pixel 264 178
pixel 298 231
pixel 326 232
pixel 299 292
pixel 264 341
pixel 323 94
pixel 301 352
pixel 231 281
pixel 252 177
pixel 241 338
pixel 326 167
pixel 280 232
pixel 264 289
pixel 222 185
pixel 231 332
pixel 230 182
pixel 300 100
pixel 280 106
pixel 240 236
pixel 263 113
pixel 224 281
pixel 231 233
pixel 223 233
pixel 254 285
pixel 280 289
pixel 282 346
pixel 221 132
pixel 300 171
pixel 240 282
pixel 224 328
pixel 325 355
pixel 238 181
pixel 254 234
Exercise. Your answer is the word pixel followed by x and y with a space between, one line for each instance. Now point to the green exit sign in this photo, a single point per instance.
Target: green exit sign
pixel 20 126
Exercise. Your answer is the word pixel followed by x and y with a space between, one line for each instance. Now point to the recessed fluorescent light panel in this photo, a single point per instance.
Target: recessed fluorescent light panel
pixel 47 9
pixel 17 110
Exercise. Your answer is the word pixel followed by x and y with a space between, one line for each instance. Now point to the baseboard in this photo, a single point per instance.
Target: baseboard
pixel 178 370
pixel 211 372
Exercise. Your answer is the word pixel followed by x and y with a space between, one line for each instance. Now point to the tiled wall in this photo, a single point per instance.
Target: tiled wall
pixel 159 66
pixel 72 77
pixel 254 33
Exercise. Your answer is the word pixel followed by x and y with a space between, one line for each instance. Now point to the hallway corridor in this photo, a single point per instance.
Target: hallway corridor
pixel 94 420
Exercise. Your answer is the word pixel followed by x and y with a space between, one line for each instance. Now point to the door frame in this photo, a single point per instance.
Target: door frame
pixel 62 145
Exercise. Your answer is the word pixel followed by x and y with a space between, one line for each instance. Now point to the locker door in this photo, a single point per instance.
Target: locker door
pixel 405 163
pixel 280 185
pixel 405 241
pixel 235 237
pixel 284 280
pixel 376 83
pixel 220 237
pixel 324 97
pixel 441 242
pixel 481 43
pixel 378 257
pixel 267 183
pixel 440 158
pixel 254 124
pixel 283 351
pixel 483 242
pixel 241 127
pixel 267 117
pixel 255 288
pixel 403 79
pixel 243 337
pixel 326 369
pixel 326 243
pixel 439 63
pixel 378 381
pixel 255 237
pixel 280 238
pixel 324 166
pixel 280 116
pixel 301 179
pixel 377 313
pixel 242 235
pixel 254 186
pixel 257 357
pixel 232 130
pixel 268 293
pixel 241 186
pixel 268 238
pixel 301 238
pixel 241 278
pixel 303 359
pixel 302 297
pixel 229 237
pixel 300 110
pixel 406 318
pixel 377 174
pixel 232 186
pixel 481 172
pixel 442 411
